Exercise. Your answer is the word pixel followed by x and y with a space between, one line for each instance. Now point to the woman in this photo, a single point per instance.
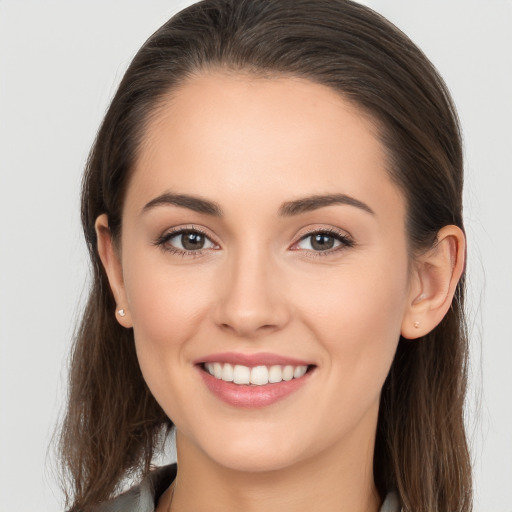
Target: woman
pixel 273 211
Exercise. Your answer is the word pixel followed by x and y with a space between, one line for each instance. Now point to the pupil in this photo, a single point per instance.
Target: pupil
pixel 322 242
pixel 192 241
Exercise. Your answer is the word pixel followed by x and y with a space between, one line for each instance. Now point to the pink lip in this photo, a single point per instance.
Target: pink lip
pixel 251 360
pixel 249 396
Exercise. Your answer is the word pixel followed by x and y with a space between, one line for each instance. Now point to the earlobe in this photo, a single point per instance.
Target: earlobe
pixel 433 284
pixel 110 259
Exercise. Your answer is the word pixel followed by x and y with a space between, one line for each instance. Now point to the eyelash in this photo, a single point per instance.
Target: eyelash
pixel 346 242
pixel 162 241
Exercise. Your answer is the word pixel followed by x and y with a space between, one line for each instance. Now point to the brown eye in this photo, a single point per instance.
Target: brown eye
pixel 192 241
pixel 321 241
pixel 186 240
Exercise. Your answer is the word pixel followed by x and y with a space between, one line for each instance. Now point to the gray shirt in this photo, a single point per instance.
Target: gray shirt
pixel 144 497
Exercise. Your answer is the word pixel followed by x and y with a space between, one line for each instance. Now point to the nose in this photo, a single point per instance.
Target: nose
pixel 252 299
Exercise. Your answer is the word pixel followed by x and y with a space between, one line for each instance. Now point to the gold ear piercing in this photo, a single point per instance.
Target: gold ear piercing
pixel 121 312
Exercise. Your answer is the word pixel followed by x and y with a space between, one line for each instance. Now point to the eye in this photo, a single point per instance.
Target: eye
pixel 325 241
pixel 185 241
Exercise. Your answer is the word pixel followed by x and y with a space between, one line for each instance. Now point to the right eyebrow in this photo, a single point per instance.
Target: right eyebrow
pixel 310 203
pixel 194 203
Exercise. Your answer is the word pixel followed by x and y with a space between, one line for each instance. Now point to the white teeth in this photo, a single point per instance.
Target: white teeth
pixel 241 374
pixel 275 374
pixel 257 375
pixel 288 372
pixel 217 370
pixel 227 373
pixel 299 371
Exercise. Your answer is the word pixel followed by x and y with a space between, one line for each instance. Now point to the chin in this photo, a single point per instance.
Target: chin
pixel 251 451
pixel 252 460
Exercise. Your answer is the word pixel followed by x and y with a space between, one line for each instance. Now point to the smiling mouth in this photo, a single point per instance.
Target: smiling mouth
pixel 255 375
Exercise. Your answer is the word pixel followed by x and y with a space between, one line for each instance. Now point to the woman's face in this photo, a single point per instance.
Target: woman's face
pixel 261 231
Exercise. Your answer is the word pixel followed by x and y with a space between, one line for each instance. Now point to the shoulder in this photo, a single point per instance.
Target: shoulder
pixel 391 503
pixel 142 497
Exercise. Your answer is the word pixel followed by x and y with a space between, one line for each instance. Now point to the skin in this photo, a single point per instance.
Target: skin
pixel 250 145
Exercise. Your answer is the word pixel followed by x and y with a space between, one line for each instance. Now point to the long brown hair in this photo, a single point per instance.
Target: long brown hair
pixel 113 424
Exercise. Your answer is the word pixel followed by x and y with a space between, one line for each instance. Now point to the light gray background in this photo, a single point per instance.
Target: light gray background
pixel 60 62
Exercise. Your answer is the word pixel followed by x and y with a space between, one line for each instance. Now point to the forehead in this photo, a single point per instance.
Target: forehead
pixel 234 136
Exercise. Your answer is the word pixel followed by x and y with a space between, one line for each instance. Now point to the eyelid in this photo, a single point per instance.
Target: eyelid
pixel 162 240
pixel 346 240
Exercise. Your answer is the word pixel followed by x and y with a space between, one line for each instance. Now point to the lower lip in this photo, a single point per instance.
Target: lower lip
pixel 250 396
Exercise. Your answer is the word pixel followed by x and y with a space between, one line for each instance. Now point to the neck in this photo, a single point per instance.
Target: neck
pixel 329 482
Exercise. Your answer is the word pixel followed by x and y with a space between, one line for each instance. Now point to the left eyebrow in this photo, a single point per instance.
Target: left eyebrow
pixel 308 204
pixel 194 203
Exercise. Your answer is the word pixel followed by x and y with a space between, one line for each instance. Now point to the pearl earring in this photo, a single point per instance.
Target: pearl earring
pixel 416 325
pixel 121 312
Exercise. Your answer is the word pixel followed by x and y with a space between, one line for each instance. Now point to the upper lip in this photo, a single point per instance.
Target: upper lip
pixel 251 360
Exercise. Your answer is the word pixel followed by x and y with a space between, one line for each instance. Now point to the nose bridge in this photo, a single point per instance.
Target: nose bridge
pixel 252 300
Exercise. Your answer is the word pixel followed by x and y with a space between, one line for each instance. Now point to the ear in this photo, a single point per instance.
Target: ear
pixel 435 277
pixel 111 261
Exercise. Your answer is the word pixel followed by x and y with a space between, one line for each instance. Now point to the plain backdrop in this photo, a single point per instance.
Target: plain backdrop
pixel 60 62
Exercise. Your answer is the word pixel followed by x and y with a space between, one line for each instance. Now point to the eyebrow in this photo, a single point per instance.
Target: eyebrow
pixel 287 209
pixel 194 203
pixel 311 203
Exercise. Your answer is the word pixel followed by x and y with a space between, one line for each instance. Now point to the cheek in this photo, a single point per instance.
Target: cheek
pixel 356 314
pixel 165 305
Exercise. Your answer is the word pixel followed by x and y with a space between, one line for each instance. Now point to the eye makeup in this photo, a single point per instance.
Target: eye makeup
pixel 322 242
pixel 190 235
pixel 331 239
